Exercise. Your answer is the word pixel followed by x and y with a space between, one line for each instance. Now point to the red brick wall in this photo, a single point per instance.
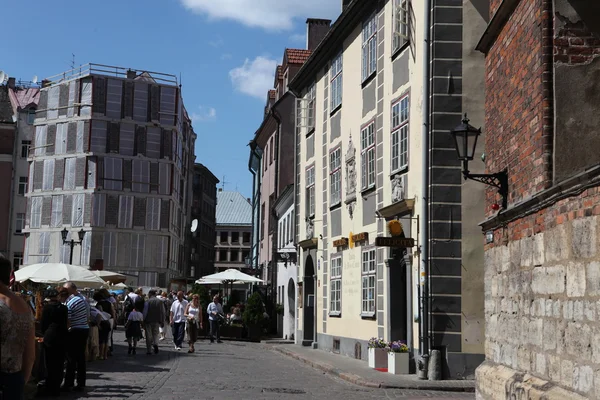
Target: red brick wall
pixel 575 44
pixel 5 182
pixel 494 4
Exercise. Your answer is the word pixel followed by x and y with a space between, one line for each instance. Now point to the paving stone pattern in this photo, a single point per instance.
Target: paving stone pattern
pixel 231 370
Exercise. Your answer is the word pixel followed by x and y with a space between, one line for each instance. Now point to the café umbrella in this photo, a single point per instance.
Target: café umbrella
pixel 109 276
pixel 230 276
pixel 58 274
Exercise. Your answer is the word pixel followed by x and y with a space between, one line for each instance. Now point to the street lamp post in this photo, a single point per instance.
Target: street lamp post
pixel 465 138
pixel 72 242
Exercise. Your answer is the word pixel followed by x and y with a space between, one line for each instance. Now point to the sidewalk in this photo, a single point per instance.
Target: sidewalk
pixel 359 373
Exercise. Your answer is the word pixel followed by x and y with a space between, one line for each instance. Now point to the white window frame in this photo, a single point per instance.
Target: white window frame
pixel 41 136
pixel 335 286
pixel 125 212
pixel 56 220
pixel 19 223
pixel 77 210
pixel 138 241
pixel 368 282
pixel 99 210
pixel 399 137
pixel 335 84
pixel 23 181
pixel 60 140
pixel 153 213
pixel 335 176
pixel 109 249
pixel 36 212
pixel 70 171
pixel 401 24
pixel 44 247
pixel 369 47
pixel 367 155
pixel 113 173
pixel 310 191
pixel 311 96
pixel 48 175
pixel 80 133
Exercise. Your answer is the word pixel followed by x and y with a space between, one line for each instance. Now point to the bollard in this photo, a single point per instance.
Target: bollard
pixel 435 366
pixel 422 366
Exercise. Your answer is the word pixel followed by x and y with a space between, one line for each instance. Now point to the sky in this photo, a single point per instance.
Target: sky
pixel 225 51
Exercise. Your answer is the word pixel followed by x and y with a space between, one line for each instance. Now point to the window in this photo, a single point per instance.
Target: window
pixel 98 139
pixel 99 210
pixel 164 178
pixel 153 214
pixel 335 304
pixel 137 249
pixel 246 237
pixel 109 249
pixel 153 139
pixel 126 139
pixel 44 247
pixel 25 144
pixel 141 176
pixel 20 223
pixel 31 116
pixel 57 210
pixel 40 140
pixel 368 282
pixel 60 141
pixel 125 212
pixel 77 210
pixel 22 185
pixel 310 191
pixel 245 255
pixel 36 212
pixel 223 255
pixel 86 248
pixel 401 23
pixel 48 178
pixel 369 47
pixel 163 251
pixel 335 175
pixel 367 153
pixel 262 221
pixel 312 104
pixel 265 161
pixel 235 237
pixel 234 256
pixel 113 173
pixel 17 260
pixel 400 135
pixel 224 237
pixel 271 151
pixel 69 180
pixel 335 76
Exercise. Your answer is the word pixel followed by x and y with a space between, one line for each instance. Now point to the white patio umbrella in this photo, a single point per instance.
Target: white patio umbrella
pixel 231 276
pixel 57 273
pixel 119 285
pixel 109 276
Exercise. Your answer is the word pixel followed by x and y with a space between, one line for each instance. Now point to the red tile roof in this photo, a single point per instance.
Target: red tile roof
pixel 22 98
pixel 297 56
pixel 272 94
pixel 278 75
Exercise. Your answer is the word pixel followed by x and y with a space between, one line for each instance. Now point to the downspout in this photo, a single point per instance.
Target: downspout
pixel 424 206
pixel 275 240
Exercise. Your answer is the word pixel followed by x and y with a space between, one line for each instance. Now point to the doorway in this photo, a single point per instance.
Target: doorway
pixel 291 314
pixel 309 302
pixel 398 294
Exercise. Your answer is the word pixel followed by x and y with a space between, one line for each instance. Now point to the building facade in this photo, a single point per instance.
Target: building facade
pixel 7 144
pixel 111 157
pixel 24 98
pixel 234 231
pixel 204 212
pixel 542 252
pixel 359 163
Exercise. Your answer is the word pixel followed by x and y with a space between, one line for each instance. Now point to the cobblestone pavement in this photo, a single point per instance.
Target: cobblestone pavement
pixel 230 370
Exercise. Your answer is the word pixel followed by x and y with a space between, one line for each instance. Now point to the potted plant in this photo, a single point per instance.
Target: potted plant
pixel 398 358
pixel 254 316
pixel 279 309
pixel 377 353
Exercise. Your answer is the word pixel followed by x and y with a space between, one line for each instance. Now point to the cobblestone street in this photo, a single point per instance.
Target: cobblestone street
pixel 231 370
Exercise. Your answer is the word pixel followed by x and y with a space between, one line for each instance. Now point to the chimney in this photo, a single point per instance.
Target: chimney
pixel 12 83
pixel 345 4
pixel 220 189
pixel 131 74
pixel 316 29
pixel 45 83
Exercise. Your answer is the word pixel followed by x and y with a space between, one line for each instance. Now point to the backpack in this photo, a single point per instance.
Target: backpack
pixel 128 306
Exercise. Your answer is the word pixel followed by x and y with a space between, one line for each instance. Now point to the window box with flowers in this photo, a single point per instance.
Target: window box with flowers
pixel 377 353
pixel 398 358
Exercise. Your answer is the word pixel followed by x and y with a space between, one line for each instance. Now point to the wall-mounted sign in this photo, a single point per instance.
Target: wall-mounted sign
pixel 394 242
pixel 341 242
pixel 360 237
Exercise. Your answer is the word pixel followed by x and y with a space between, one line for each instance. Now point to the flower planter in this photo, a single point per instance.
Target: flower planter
pixel 397 363
pixel 377 358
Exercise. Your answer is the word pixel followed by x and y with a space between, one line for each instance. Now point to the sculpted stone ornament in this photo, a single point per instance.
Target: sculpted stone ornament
pixel 397 189
pixel 350 177
pixel 310 228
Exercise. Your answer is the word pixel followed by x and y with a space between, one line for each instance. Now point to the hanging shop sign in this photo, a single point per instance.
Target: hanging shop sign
pixel 394 242
pixel 340 242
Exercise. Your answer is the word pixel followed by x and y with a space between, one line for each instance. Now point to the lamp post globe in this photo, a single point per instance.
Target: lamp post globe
pixel 465 139
pixel 64 234
pixel 81 234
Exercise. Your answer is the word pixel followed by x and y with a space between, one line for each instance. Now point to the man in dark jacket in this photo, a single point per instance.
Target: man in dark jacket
pixel 154 317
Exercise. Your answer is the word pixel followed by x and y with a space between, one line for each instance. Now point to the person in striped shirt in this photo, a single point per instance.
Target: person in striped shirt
pixel 79 316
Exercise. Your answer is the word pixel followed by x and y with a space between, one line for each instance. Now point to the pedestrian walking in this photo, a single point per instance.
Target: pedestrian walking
pixel 104 327
pixel 193 313
pixel 78 315
pixel 17 338
pixel 54 327
pixel 167 306
pixel 177 319
pixel 215 312
pixel 133 329
pixel 154 318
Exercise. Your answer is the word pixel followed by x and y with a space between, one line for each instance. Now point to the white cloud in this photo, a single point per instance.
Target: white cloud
pixel 273 15
pixel 298 38
pixel 204 114
pixel 255 77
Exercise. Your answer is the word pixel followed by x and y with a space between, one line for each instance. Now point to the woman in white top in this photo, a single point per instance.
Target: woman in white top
pixel 193 313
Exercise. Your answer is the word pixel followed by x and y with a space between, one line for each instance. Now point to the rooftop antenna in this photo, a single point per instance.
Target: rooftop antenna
pixel 34 79
pixel 73 61
pixel 3 77
pixel 223 182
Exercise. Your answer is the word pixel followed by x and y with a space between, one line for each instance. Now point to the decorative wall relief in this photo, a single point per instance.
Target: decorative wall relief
pixel 398 188
pixel 350 177
pixel 310 228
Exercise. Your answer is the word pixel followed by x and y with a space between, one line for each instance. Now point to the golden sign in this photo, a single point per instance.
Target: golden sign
pixel 360 237
pixel 341 242
pixel 351 240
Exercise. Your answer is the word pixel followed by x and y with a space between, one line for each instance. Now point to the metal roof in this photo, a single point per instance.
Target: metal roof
pixel 233 209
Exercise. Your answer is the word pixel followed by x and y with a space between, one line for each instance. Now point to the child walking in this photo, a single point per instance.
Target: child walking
pixel 133 329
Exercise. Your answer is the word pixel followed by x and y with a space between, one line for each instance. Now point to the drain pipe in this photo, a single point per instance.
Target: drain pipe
pixel 424 211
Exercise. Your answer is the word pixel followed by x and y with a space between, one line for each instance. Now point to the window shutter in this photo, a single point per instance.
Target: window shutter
pixel 99 95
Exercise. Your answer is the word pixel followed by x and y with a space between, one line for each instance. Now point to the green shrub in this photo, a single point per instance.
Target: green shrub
pixel 254 312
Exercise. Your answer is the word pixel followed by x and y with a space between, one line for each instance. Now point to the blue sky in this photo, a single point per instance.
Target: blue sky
pixel 225 51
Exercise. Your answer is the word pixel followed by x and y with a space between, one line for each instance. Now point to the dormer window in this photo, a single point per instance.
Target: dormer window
pixel 31 116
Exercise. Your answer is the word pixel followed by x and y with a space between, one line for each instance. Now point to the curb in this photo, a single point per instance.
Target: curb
pixel 357 380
